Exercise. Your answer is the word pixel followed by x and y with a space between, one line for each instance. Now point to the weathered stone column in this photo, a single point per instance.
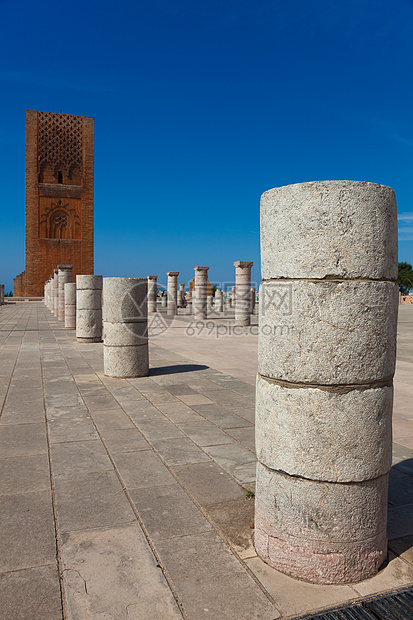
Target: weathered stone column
pixel 89 308
pixel 210 303
pixel 64 274
pixel 152 290
pixel 219 301
pixel 200 293
pixel 233 294
pixel 181 295
pixel 172 291
pixel 50 296
pixel 70 305
pixel 189 306
pixel 243 292
pixel 55 292
pixel 164 300
pixel 125 326
pixel 326 358
pixel 252 300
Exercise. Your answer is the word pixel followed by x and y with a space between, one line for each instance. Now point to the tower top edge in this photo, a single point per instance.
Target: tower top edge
pixel 60 114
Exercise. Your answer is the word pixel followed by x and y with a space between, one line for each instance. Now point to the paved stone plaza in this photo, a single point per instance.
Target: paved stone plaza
pixel 136 492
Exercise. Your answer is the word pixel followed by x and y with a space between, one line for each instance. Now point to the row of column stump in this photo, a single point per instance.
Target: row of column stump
pixel 326 360
pixel 201 304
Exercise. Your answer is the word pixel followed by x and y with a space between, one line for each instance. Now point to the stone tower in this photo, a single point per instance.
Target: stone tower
pixel 59 198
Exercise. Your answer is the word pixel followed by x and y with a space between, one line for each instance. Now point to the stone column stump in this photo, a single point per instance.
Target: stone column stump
pixel 64 274
pixel 243 292
pixel 326 359
pixel 233 295
pixel 70 305
pixel 152 290
pixel 89 308
pixel 200 293
pixel 219 301
pixel 125 326
pixel 181 295
pixel 55 293
pixel 172 292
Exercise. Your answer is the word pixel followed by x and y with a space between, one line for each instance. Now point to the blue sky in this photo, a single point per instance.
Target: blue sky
pixel 201 106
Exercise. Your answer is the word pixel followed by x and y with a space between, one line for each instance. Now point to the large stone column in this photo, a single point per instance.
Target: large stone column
pixel 172 292
pixel 55 292
pixel 219 301
pixel 89 308
pixel 326 358
pixel 64 274
pixel 243 292
pixel 125 326
pixel 200 293
pixel 152 290
pixel 70 305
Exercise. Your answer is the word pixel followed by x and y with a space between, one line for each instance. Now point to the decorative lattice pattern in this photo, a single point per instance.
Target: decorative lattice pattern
pixel 60 140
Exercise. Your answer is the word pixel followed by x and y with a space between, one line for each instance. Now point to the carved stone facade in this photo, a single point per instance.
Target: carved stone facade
pixel 59 197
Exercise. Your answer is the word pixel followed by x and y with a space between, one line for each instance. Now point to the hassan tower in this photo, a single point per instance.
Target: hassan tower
pixel 59 198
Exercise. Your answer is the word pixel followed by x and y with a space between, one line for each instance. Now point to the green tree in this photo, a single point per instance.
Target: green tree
pixel 405 279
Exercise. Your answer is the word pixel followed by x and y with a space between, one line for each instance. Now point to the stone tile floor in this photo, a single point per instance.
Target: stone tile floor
pixel 128 499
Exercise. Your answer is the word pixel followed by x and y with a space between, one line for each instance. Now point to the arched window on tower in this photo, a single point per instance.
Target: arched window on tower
pixel 60 177
pixel 60 225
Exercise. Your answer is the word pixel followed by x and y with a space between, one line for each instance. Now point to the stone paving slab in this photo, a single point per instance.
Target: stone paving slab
pixel 22 439
pixel 90 500
pixel 168 512
pixel 27 536
pixel 24 474
pixel 145 481
pixel 112 573
pixel 33 593
pixel 208 577
pixel 179 451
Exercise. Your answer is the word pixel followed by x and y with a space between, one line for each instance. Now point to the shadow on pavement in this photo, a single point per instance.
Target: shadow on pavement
pixel 170 370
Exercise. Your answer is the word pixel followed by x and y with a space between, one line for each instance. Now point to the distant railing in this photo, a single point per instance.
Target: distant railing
pixel 11 299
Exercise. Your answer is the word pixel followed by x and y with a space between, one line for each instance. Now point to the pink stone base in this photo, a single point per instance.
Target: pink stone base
pixel 318 561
